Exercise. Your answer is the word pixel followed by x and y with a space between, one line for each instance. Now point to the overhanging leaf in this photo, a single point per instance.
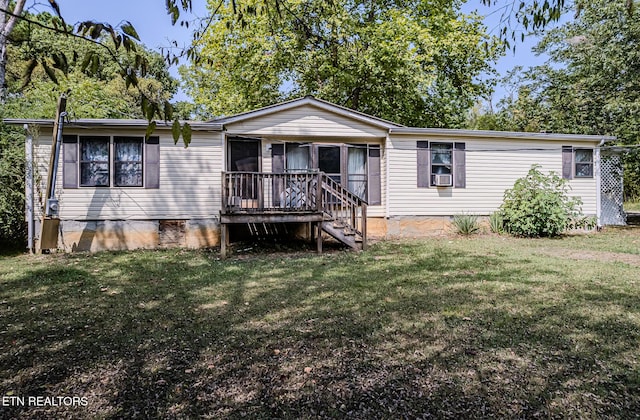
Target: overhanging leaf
pixel 151 127
pixel 175 131
pixel 50 72
pixel 186 134
pixel 128 29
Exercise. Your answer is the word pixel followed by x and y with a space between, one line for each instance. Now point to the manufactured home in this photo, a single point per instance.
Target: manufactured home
pixel 306 165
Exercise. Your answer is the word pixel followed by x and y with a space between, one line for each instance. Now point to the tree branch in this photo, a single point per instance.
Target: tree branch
pixel 13 18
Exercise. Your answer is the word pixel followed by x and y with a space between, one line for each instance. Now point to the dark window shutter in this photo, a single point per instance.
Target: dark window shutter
pixel 567 162
pixel 277 158
pixel 277 167
pixel 374 184
pixel 460 162
pixel 152 163
pixel 424 157
pixel 69 161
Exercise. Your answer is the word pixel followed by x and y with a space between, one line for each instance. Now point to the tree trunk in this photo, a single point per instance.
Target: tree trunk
pixel 7 22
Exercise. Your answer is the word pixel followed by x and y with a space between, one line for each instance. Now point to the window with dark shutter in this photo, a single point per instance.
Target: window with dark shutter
pixel 127 165
pixel 94 161
pixel 583 159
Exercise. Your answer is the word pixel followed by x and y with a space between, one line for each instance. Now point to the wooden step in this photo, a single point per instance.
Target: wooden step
pixel 349 239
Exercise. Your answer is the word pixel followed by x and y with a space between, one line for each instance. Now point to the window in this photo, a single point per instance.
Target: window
pixel 577 163
pixel 297 157
pixel 128 162
pixel 104 161
pixel 94 161
pixel 357 171
pixel 583 163
pixel 441 160
pixel 441 164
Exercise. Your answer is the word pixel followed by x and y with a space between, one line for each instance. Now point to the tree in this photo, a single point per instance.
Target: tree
pixel 529 14
pixel 407 61
pixel 7 23
pixel 590 84
pixel 94 93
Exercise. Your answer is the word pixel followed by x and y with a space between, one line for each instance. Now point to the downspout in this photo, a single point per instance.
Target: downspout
pixel 28 186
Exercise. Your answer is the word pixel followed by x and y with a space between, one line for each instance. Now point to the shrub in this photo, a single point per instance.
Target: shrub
pixel 466 224
pixel 12 220
pixel 539 205
pixel 495 222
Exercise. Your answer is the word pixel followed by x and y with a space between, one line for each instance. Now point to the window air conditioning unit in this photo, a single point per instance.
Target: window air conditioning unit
pixel 443 180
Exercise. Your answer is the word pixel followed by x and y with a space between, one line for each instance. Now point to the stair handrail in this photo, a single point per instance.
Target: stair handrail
pixel 340 203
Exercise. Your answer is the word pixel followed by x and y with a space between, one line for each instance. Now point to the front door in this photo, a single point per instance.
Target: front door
pixel 329 159
pixel 243 155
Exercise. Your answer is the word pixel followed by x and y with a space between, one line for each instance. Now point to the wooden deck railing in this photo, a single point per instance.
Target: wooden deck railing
pixel 259 192
pixel 272 193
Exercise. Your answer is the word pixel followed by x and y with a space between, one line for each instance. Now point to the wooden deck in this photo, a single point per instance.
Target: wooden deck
pixel 303 197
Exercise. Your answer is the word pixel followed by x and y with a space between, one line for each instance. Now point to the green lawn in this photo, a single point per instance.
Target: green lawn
pixel 633 206
pixel 450 327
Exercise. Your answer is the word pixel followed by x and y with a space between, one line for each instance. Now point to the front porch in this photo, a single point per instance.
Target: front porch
pixel 297 197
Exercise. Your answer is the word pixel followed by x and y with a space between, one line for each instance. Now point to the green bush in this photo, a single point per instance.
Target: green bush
pixel 496 223
pixel 466 224
pixel 12 219
pixel 539 205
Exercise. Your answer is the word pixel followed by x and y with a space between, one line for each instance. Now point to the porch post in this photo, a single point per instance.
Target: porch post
pixel 223 240
pixel 319 237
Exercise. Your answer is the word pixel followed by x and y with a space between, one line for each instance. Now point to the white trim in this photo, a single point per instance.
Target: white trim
pixel 510 135
pixel 114 123
pixel 308 100
pixel 387 146
pixel 598 175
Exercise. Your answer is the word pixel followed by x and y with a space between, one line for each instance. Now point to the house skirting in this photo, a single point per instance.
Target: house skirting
pixel 417 226
pixel 104 235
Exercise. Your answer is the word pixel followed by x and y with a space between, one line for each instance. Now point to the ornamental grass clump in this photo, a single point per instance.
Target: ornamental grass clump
pixel 539 205
pixel 496 223
pixel 466 224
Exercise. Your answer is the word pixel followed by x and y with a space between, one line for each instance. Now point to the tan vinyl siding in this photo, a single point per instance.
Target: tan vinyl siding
pixel 190 184
pixel 492 166
pixel 305 121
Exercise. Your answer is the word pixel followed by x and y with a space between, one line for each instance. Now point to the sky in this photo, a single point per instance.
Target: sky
pixel 155 29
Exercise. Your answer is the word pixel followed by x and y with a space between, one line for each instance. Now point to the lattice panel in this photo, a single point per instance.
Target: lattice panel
pixel 611 188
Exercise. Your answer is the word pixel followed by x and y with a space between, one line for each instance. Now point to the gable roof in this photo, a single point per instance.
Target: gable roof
pixel 308 100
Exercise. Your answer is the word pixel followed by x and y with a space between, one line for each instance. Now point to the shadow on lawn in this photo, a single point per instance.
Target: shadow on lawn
pixel 378 334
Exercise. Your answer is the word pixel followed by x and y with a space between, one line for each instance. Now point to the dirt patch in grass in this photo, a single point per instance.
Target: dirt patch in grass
pixel 603 256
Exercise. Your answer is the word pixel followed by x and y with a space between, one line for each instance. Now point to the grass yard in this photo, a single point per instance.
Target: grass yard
pixel 450 328
pixel 633 206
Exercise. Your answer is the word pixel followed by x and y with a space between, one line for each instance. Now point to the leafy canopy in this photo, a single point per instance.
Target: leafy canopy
pixel 96 91
pixel 414 62
pixel 590 84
